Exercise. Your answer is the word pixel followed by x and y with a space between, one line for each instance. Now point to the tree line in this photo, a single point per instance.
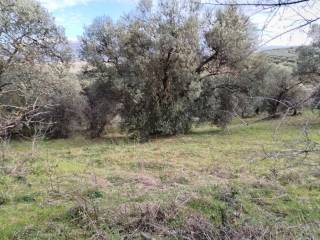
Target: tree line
pixel 160 68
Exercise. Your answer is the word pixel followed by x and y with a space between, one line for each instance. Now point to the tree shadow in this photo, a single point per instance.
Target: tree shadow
pixel 207 132
pixel 116 140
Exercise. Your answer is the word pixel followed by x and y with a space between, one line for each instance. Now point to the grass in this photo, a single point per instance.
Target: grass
pixel 236 180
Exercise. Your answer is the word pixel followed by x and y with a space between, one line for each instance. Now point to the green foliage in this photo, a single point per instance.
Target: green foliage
pixel 103 105
pixel 281 90
pixel 25 199
pixel 224 97
pixel 309 60
pixel 150 54
pixel 152 62
pixel 309 63
pixel 56 94
pixel 37 95
pixel 229 40
pixel 94 194
pixel 28 33
pixel 216 102
pixel 309 56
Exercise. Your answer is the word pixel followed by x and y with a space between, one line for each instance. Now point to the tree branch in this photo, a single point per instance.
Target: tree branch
pixel 257 4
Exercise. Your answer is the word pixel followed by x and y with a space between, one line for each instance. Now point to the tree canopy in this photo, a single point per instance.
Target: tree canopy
pixel 34 55
pixel 156 58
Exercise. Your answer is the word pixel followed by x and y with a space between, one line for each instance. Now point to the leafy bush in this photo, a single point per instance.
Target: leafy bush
pixel 54 97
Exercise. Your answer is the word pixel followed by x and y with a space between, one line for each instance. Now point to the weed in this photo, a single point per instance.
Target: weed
pixel 94 194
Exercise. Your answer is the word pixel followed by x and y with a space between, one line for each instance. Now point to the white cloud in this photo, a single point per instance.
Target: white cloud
pixel 273 23
pixel 276 23
pixel 53 5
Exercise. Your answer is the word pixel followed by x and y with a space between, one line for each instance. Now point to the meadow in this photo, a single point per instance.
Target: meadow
pixel 254 180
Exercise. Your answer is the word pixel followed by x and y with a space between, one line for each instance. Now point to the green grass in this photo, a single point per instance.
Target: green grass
pixel 231 178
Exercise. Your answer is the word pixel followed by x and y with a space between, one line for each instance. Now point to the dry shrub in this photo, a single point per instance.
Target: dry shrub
pixel 146 218
pixel 88 216
pixel 259 232
pixel 50 230
pixel 197 227
pixel 176 221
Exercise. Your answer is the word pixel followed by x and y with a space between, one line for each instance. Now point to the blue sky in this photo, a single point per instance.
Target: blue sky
pixel 74 18
pixel 73 15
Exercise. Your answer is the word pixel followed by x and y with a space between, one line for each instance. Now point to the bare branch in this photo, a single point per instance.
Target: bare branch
pixel 279 3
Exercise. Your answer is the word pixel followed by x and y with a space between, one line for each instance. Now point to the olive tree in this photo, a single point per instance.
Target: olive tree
pixel 34 55
pixel 46 100
pixel 233 94
pixel 148 59
pixel 309 64
pixel 154 61
pixel 309 57
pixel 28 34
pixel 281 90
pixel 228 41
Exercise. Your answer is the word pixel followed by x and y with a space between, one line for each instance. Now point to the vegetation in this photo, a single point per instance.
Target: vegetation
pixel 286 56
pixel 230 136
pixel 36 91
pixel 308 63
pixel 157 69
pixel 153 61
pixel 233 184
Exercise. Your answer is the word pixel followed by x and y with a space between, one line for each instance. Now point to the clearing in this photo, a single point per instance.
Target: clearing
pixel 256 181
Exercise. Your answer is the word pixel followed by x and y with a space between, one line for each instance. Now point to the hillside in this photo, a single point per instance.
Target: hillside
pixel 282 55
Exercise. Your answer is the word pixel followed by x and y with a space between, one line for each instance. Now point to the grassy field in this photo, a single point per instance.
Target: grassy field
pixel 249 182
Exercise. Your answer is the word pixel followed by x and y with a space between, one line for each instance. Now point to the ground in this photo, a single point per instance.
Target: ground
pixel 255 181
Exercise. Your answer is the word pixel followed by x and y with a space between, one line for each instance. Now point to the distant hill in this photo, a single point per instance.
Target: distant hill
pixel 284 52
pixel 286 56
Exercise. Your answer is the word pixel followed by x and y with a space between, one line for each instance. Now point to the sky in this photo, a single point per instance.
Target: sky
pixel 73 15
